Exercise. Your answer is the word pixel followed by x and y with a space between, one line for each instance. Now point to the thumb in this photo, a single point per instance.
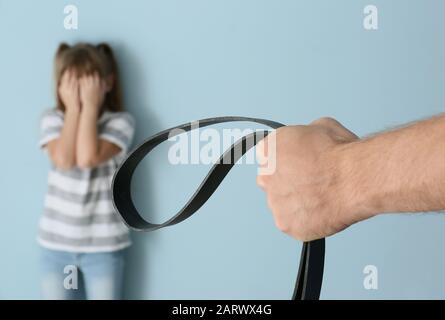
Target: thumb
pixel 340 131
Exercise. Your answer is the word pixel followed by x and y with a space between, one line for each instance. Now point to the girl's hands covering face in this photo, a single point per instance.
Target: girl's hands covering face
pixel 69 91
pixel 92 91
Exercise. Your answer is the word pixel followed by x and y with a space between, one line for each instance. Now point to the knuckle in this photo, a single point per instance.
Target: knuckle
pixel 260 181
pixel 300 230
pixel 271 204
pixel 325 121
pixel 297 235
pixel 300 233
pixel 282 225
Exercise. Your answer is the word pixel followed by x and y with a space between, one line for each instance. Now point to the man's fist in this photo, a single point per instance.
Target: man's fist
pixel 305 191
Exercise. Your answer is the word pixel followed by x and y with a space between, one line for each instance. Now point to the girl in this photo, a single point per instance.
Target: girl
pixel 85 137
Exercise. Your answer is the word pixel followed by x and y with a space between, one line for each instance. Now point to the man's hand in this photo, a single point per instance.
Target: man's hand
pixel 305 192
pixel 326 179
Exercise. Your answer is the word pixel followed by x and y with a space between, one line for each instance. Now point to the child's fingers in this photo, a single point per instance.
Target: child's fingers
pixel 71 75
pixel 98 81
pixel 86 81
pixel 90 79
pixel 73 81
pixel 76 84
pixel 103 85
pixel 64 78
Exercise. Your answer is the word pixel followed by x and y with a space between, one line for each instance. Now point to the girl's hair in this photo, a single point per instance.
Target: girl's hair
pixel 86 59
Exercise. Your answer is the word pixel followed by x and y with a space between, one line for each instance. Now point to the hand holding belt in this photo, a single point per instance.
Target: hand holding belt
pixel 310 273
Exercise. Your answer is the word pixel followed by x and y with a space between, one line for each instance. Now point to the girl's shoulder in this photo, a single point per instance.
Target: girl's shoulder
pixel 111 116
pixel 52 112
pixel 51 115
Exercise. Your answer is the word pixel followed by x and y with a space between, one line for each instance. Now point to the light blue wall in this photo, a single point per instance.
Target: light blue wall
pixel 287 60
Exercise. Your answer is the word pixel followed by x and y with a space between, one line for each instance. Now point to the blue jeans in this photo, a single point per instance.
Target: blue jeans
pixel 63 272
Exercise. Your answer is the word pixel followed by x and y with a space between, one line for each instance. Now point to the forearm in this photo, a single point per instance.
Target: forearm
pixel 63 151
pixel 87 137
pixel 402 170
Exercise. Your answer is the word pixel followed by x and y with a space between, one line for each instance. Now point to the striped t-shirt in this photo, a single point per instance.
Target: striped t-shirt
pixel 78 212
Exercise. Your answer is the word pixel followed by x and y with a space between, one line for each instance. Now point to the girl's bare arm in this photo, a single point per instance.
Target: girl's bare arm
pixel 90 150
pixel 62 150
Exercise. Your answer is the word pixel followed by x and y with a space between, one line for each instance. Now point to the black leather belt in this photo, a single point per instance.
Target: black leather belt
pixel 310 273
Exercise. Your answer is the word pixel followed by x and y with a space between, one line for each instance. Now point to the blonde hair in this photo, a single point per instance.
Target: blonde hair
pixel 86 59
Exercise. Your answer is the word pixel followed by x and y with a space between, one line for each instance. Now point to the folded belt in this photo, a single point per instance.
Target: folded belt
pixel 310 272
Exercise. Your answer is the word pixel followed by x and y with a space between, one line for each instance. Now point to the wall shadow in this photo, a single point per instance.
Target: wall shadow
pixel 135 88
